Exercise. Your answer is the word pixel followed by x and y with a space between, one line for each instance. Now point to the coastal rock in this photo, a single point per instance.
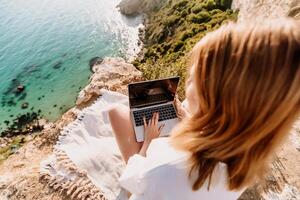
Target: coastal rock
pixel 257 11
pixel 20 88
pixel 130 7
pixel 112 74
pixel 135 7
pixel 24 105
pixel 295 9
pixel 95 61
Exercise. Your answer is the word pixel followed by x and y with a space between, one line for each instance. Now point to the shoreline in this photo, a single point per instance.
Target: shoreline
pixel 42 77
pixel 25 127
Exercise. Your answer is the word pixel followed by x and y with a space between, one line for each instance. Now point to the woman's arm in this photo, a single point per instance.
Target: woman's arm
pixel 151 131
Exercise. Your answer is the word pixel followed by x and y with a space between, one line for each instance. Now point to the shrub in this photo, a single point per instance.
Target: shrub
pixel 226 3
pixel 150 53
pixel 210 5
pixel 201 17
pixel 186 35
pixel 215 11
pixel 178 45
pixel 161 35
pixel 171 20
pixel 165 47
pixel 159 49
pixel 177 13
pixel 198 29
pixel 218 19
pixel 197 9
pixel 184 13
pixel 180 5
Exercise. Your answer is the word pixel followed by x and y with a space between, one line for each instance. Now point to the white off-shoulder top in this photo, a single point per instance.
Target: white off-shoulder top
pixel 163 175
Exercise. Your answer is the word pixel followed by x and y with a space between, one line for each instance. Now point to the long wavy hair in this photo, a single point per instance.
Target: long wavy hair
pixel 247 80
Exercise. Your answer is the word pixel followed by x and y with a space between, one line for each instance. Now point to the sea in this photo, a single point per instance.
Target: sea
pixel 46 46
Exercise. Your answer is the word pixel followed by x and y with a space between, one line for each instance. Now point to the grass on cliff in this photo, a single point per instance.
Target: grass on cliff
pixel 172 31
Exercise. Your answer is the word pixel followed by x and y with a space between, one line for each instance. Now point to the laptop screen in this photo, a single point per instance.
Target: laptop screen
pixel 152 92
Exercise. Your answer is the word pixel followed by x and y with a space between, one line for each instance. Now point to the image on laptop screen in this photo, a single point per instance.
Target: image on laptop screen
pixel 152 92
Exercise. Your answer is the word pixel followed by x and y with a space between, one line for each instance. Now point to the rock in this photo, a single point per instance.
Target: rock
pixel 262 10
pixel 20 88
pixel 95 61
pixel 57 65
pixel 130 7
pixel 24 105
pixel 135 7
pixel 42 122
pixel 295 9
pixel 113 74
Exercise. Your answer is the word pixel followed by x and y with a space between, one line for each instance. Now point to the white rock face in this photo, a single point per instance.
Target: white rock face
pixel 112 74
pixel 261 10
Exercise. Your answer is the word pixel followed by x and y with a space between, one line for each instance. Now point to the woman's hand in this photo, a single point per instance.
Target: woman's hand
pixel 151 131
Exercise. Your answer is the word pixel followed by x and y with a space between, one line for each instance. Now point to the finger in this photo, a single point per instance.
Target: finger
pixel 156 118
pixel 153 119
pixel 149 122
pixel 160 128
pixel 145 122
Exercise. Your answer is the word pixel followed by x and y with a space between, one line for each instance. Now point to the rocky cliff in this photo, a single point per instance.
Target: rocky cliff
pixel 19 174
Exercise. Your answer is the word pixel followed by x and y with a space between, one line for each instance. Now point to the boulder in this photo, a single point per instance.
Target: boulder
pixel 295 9
pixel 130 7
pixel 24 105
pixel 135 7
pixel 112 74
pixel 20 88
pixel 95 61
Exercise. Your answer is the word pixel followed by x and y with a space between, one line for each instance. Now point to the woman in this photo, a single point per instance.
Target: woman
pixel 242 96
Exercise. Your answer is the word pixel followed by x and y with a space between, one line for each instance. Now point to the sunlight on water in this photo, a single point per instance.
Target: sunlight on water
pixel 46 45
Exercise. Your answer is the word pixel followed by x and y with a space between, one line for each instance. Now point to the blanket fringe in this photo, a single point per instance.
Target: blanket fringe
pixel 80 188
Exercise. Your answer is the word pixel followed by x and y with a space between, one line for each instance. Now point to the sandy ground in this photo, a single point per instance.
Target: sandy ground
pixel 19 174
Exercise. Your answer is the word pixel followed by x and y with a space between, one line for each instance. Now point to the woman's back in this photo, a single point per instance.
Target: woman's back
pixel 163 175
pixel 243 96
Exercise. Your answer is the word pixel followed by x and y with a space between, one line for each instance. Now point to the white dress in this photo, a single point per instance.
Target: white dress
pixel 163 175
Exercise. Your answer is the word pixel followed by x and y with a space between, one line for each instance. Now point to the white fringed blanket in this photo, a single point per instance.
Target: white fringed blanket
pixel 86 161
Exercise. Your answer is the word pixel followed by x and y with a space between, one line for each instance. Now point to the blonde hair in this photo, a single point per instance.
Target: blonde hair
pixel 247 79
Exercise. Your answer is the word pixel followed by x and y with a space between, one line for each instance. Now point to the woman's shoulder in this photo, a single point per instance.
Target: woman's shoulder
pixel 161 151
pixel 162 157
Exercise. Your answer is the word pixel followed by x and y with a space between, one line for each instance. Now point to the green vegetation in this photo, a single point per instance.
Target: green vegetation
pixel 172 31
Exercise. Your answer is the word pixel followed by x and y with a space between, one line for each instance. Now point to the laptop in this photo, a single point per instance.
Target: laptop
pixel 148 97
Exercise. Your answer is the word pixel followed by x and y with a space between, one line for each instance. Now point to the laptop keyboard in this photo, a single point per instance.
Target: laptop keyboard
pixel 165 112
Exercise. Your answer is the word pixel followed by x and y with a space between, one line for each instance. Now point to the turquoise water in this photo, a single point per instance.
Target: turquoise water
pixel 46 45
